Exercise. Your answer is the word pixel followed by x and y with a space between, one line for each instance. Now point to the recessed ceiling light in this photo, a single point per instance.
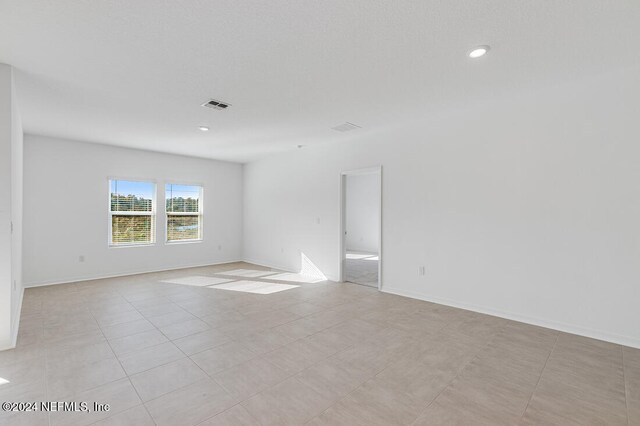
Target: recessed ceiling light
pixel 479 51
pixel 204 128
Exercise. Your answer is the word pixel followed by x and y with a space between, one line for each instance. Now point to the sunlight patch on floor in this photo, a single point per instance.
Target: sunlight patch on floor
pixel 253 273
pixel 358 256
pixel 197 280
pixel 254 287
pixel 290 276
pixel 361 255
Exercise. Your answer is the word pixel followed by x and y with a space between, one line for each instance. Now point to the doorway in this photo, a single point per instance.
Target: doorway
pixel 361 227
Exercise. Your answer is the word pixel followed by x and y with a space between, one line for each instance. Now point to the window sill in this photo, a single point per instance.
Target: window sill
pixel 178 242
pixel 118 246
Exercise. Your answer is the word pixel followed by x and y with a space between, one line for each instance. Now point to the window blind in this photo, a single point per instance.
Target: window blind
pixel 184 212
pixel 132 212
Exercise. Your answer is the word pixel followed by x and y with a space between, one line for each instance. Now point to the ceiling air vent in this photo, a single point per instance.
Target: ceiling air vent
pixel 212 103
pixel 346 127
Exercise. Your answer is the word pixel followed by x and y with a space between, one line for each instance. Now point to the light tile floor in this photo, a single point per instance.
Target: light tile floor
pixel 362 268
pixel 318 354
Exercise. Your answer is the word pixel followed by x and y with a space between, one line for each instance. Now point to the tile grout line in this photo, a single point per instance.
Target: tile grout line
pixel 293 375
pixel 363 382
pixel 457 372
pixel 168 341
pixel 190 359
pixel 46 359
pixel 227 391
pixel 46 381
pixel 326 297
pixel 228 409
pixel 120 363
pixel 85 390
pixel 540 377
pixel 624 380
pixel 279 347
pixel 213 378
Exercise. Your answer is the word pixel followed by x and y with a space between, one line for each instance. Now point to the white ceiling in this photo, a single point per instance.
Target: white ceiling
pixel 134 72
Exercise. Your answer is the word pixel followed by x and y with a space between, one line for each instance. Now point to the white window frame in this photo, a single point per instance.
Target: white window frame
pixel 199 213
pixel 152 213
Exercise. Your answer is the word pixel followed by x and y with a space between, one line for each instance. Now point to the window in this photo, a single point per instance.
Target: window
pixel 132 213
pixel 184 212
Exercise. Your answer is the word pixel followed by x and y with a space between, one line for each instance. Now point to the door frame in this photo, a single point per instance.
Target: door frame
pixel 343 217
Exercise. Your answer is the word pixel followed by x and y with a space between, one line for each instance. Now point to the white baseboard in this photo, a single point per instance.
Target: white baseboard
pixel 280 267
pixel 555 325
pixel 10 344
pixel 6 344
pixel 123 274
pixel 269 265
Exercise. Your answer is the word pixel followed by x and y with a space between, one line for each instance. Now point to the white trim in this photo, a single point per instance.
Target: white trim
pixel 152 214
pixel 199 214
pixel 270 265
pixel 554 325
pixel 16 315
pixel 333 278
pixel 178 242
pixel 377 170
pixel 131 213
pixel 180 213
pixel 363 171
pixel 130 179
pixel 124 274
pixel 15 324
pixel 119 246
pixel 170 181
pixel 282 268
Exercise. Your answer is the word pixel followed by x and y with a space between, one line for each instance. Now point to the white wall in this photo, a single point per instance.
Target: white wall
pixel 527 208
pixel 362 210
pixel 10 209
pixel 66 210
pixel 17 183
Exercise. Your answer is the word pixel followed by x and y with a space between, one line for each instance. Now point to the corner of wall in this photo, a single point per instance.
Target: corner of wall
pixel 15 319
pixel 11 146
pixel 17 189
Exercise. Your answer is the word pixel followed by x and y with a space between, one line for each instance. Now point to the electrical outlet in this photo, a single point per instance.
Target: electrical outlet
pixel 317 221
pixel 81 258
pixel 219 247
pixel 421 270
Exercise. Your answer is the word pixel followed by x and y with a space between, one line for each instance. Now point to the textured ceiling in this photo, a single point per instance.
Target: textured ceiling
pixel 134 72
